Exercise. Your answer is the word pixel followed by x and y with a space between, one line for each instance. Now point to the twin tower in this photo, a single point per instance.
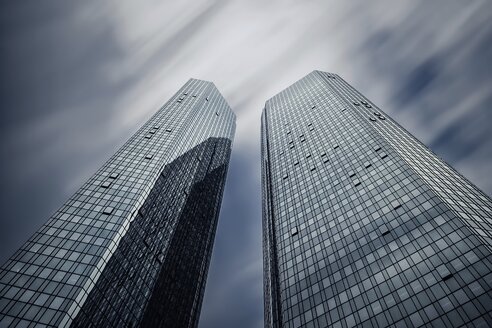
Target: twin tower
pixel 362 224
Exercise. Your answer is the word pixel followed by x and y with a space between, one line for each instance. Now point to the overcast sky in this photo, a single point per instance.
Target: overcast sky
pixel 79 77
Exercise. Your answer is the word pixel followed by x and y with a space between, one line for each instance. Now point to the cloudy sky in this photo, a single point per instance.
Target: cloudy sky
pixel 78 78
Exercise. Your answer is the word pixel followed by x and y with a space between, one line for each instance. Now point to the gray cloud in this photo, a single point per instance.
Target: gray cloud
pixel 79 78
pixel 234 288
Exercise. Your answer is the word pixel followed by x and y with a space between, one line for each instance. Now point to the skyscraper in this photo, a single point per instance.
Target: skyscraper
pixel 132 246
pixel 362 224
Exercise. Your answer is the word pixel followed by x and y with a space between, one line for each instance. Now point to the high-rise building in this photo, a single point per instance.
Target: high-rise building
pixel 362 224
pixel 132 246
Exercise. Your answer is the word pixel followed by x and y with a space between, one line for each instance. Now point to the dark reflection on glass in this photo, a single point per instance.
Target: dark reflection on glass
pixel 157 275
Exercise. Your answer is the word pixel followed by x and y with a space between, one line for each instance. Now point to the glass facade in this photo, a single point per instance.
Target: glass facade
pixel 132 246
pixel 362 224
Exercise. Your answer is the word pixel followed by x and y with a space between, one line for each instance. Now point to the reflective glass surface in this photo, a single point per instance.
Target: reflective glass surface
pixel 132 246
pixel 362 224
